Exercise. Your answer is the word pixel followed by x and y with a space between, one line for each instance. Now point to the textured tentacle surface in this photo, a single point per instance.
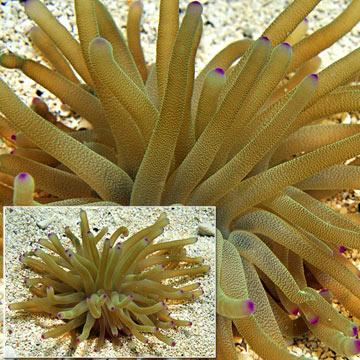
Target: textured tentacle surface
pixel 246 134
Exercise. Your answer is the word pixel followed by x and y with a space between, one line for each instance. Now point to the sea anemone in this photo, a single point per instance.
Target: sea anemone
pixel 115 287
pixel 244 135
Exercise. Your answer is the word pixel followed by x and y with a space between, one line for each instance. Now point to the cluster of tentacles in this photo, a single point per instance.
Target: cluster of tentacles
pixel 244 135
pixel 116 291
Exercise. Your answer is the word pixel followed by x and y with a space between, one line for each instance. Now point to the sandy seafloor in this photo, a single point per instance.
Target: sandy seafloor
pixel 224 21
pixel 21 235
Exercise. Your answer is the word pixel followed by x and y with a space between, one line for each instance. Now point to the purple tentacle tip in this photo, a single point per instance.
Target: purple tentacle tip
pixel 104 296
pixel 131 296
pixel 265 38
pixel 314 320
pixel 181 291
pixel 59 315
pixel 295 311
pixel 48 287
pixel 357 346
pixel 77 340
pixel 220 71
pixel 250 306
pixel 89 232
pixel 89 297
pixel 342 249
pixel 286 44
pixel 315 76
pixel 173 344
pixel 23 176
pixel 36 250
pixel 13 137
pixel 70 255
pixel 43 336
pixel 115 335
pixel 190 323
pixel 354 331
pixel 12 152
pixel 306 20
pixel 99 41
pixel 195 3
pixel 66 251
pixel 95 350
pixel 112 308
pixel 156 329
pixel 147 341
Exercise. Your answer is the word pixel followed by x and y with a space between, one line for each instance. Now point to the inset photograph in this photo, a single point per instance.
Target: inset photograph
pixel 110 282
